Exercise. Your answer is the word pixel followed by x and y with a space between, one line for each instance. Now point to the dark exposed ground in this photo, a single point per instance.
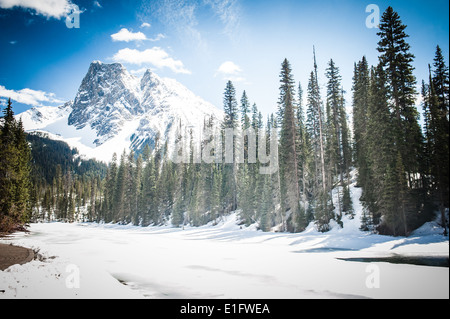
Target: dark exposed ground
pixel 12 255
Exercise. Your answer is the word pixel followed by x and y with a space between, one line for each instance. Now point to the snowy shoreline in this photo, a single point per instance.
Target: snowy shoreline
pixel 224 261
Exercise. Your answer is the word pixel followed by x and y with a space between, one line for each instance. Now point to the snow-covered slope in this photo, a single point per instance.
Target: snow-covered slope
pixel 39 117
pixel 114 110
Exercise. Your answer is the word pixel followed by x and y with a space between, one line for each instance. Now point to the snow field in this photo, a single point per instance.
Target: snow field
pixel 221 261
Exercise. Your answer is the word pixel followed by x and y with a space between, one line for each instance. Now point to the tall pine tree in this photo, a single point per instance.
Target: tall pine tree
pixel 396 60
pixel 229 124
pixel 437 134
pixel 289 147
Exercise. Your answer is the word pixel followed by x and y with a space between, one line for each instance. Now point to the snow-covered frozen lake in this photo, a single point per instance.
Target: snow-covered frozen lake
pixel 223 261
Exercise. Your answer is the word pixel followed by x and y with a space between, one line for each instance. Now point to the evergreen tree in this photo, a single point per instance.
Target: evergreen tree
pixel 120 190
pixel 131 189
pixel 441 81
pixel 247 177
pixel 72 206
pixel 211 174
pixel 230 107
pixel 408 140
pixel 148 199
pixel 216 207
pixel 441 86
pixel 136 193
pixel 180 206
pixel 437 135
pixel 245 110
pixel 396 199
pixel 289 146
pixel 15 182
pixel 321 198
pixel 347 159
pixel 361 82
pixel 380 196
pixel 273 213
pixel 338 141
pixel 8 157
pixel 165 184
pixel 255 114
pixel 92 211
pixel 230 122
pixel 334 138
pixel 397 63
pixel 305 157
pixel 110 186
pixel 23 173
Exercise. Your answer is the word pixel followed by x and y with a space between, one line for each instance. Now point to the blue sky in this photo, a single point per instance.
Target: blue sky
pixel 201 43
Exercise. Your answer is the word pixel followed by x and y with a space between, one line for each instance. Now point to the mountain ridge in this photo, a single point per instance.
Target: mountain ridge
pixel 114 110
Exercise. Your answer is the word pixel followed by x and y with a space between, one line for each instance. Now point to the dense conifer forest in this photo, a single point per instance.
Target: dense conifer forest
pixel 401 162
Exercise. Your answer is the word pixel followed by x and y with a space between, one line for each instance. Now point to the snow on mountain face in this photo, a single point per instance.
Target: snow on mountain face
pixel 114 110
pixel 108 96
pixel 38 117
pixel 166 103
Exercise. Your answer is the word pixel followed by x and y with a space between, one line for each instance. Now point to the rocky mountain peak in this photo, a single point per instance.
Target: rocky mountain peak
pixel 113 107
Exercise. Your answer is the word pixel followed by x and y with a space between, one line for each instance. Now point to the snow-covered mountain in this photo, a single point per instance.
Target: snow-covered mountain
pixel 114 110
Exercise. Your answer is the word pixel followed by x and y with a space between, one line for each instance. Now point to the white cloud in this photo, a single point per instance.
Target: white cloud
pixel 125 35
pixel 29 96
pixel 97 4
pixel 48 8
pixel 146 25
pixel 229 68
pixel 154 56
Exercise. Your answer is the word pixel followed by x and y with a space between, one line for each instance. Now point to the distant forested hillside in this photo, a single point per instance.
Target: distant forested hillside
pixel 63 183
